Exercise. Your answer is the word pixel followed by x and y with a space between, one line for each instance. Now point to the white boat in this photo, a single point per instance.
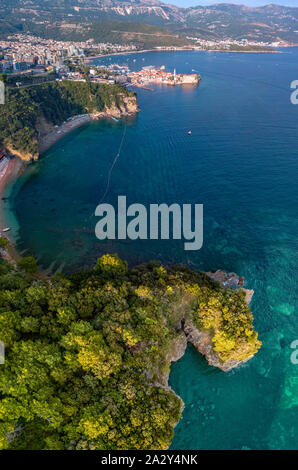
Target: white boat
pixel 6 229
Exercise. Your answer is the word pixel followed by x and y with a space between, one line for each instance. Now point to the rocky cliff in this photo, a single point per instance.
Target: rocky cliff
pixel 202 339
pixel 127 106
pixel 23 155
pixel 121 330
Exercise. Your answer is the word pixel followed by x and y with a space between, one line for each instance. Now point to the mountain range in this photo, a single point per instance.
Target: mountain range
pixel 267 23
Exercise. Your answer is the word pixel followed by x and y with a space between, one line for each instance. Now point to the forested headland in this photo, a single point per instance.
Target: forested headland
pixel 53 103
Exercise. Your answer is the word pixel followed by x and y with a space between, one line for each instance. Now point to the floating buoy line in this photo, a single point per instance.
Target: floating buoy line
pixel 113 164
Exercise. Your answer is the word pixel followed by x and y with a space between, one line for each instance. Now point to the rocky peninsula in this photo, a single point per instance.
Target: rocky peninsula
pixel 188 331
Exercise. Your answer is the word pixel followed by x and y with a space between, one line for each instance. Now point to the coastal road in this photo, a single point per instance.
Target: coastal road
pixel 31 84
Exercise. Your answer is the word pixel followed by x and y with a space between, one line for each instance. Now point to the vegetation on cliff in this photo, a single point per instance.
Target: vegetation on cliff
pixel 143 36
pixel 85 353
pixel 55 102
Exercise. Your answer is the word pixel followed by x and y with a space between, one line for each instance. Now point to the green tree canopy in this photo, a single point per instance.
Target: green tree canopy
pixel 87 355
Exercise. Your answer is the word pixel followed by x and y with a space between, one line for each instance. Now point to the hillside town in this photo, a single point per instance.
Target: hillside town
pixel 23 52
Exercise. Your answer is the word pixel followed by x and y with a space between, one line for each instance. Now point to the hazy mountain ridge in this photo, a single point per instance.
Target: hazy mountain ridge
pixel 270 23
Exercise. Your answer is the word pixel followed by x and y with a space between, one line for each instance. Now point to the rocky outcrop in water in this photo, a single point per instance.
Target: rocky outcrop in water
pixel 202 340
pixel 127 107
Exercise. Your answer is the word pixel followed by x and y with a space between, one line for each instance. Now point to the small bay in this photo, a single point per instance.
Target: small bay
pixel 240 161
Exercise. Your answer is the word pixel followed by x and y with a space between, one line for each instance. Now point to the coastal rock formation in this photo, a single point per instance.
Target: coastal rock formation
pixel 202 341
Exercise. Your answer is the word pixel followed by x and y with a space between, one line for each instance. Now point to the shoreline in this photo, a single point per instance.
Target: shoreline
pixel 5 171
pixel 12 169
pixel 101 56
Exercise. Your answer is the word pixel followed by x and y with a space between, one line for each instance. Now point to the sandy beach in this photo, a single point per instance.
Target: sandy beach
pixel 10 169
pixel 60 131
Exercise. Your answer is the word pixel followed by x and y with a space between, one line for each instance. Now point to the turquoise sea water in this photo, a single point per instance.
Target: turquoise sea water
pixel 241 163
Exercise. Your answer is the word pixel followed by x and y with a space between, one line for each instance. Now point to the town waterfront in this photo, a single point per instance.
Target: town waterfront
pixel 240 161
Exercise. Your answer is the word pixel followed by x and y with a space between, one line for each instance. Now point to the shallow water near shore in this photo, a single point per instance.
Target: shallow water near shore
pixel 241 162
